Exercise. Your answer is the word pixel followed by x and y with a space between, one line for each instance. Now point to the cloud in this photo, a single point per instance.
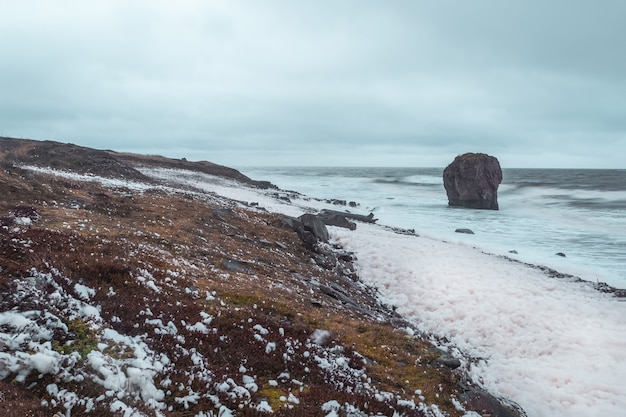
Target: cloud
pixel 277 82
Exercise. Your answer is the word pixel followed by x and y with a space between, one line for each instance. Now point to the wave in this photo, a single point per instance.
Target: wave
pixel 410 182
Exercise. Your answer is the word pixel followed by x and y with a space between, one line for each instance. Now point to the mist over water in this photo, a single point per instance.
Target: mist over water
pixel 581 213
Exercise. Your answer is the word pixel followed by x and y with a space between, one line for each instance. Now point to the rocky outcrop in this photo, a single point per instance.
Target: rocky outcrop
pixel 358 217
pixel 336 219
pixel 312 227
pixel 472 181
pixel 315 225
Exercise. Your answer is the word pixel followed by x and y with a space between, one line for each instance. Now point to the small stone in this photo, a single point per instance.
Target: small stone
pixel 561 254
pixel 449 361
pixel 235 266
pixel 466 231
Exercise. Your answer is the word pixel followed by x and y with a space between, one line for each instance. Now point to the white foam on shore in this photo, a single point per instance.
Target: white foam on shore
pixel 556 347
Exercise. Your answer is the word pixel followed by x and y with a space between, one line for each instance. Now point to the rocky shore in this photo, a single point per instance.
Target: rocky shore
pixel 124 294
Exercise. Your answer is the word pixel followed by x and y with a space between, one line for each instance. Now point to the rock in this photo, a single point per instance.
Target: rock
pixel 236 266
pixel 307 237
pixel 336 202
pixel 466 231
pixel 224 212
pixel 449 361
pixel 288 222
pixel 338 295
pixel 315 225
pixel 514 252
pixel 326 261
pixel 488 405
pixel 358 217
pixel 472 181
pixel 445 358
pixel 561 254
pixel 336 219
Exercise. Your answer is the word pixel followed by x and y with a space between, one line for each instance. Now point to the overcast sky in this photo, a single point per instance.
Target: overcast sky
pixel 535 83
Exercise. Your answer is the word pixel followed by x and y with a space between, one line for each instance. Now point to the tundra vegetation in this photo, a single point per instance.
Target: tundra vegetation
pixel 123 300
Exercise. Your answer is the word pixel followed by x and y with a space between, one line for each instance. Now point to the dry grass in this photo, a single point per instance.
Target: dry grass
pixel 103 238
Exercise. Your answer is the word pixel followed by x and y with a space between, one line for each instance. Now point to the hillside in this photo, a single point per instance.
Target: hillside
pixel 130 286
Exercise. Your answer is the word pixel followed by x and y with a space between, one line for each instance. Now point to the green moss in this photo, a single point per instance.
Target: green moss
pixel 272 395
pixel 84 341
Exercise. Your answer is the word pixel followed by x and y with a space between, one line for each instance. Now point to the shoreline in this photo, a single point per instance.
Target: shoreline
pixel 536 220
pixel 217 246
pixel 195 282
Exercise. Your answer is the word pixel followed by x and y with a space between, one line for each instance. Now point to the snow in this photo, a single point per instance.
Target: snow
pixel 13 319
pixel 23 221
pixel 555 346
pixel 265 407
pixel 46 362
pixel 319 336
pixel 230 189
pixel 84 292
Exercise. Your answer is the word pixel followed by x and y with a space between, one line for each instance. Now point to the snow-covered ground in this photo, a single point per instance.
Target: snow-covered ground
pixel 555 346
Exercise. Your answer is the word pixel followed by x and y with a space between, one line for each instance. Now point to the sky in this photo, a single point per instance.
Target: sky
pixel 321 83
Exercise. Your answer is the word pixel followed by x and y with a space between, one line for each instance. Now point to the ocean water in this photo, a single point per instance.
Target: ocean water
pixel 580 213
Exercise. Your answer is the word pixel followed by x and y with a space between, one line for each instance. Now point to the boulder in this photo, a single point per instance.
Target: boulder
pixel 488 405
pixel 358 217
pixel 472 181
pixel 336 219
pixel 315 225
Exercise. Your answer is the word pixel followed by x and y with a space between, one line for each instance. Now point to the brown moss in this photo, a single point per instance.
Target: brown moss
pixel 16 401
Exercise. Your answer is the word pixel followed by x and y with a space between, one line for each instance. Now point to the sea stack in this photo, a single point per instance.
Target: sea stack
pixel 472 181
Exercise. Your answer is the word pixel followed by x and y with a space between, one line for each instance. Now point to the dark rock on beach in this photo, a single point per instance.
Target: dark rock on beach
pixel 315 225
pixel 466 231
pixel 472 181
pixel 358 217
pixel 337 219
pixel 449 361
pixel 488 405
pixel 312 227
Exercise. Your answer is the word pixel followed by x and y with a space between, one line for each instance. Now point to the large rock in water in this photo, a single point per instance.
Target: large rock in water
pixel 472 181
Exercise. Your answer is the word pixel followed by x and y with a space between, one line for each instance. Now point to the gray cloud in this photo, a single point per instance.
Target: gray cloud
pixel 351 82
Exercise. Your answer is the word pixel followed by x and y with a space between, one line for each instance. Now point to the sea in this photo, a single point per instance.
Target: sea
pixel 571 220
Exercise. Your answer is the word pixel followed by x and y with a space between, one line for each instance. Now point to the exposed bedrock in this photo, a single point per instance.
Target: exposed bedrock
pixel 472 181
